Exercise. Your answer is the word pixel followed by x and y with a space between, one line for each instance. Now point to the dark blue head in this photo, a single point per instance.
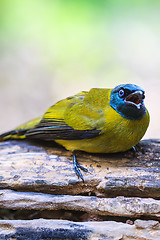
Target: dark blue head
pixel 127 100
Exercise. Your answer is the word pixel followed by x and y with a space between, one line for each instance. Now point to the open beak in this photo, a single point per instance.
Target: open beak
pixel 135 99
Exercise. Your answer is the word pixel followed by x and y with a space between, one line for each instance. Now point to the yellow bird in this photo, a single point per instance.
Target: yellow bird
pixel 97 121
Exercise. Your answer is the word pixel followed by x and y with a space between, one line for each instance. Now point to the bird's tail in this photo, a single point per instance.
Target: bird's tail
pixel 19 132
pixel 13 134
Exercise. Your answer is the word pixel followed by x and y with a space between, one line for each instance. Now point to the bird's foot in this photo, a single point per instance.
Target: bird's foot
pixel 134 149
pixel 77 167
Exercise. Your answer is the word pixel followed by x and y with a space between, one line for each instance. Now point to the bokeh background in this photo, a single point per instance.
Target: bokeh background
pixel 51 49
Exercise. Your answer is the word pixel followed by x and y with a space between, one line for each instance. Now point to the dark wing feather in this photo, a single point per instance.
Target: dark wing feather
pixel 52 130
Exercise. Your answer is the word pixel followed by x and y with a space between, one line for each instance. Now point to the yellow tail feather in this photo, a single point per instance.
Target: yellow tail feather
pixel 19 132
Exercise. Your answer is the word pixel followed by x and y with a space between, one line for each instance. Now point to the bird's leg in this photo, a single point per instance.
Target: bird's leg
pixel 76 167
pixel 134 149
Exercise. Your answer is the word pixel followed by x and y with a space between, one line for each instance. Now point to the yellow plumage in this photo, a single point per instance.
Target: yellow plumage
pixel 88 111
pixel 117 133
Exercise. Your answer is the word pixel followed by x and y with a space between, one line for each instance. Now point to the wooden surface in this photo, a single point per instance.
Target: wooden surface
pixel 26 166
pixel 37 180
pixel 58 229
pixel 119 206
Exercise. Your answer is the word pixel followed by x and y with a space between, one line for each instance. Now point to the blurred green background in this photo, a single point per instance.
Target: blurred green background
pixel 51 49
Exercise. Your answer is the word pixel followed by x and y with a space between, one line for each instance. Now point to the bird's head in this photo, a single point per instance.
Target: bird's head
pixel 128 101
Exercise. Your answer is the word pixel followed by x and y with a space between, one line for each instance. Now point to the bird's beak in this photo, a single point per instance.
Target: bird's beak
pixel 135 99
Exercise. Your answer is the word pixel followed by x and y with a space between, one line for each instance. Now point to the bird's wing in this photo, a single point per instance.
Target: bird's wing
pixel 60 130
pixel 69 119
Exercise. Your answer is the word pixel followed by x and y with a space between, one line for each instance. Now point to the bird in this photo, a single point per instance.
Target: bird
pixel 100 120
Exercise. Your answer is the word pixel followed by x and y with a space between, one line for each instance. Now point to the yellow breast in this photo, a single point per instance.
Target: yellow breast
pixel 119 134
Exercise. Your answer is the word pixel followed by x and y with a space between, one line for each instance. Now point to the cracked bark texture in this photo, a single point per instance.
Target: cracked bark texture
pixel 37 178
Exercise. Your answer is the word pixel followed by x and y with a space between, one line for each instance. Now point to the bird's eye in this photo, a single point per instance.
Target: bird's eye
pixel 121 93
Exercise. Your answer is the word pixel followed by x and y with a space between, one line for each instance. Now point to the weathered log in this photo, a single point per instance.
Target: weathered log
pixel 120 206
pixel 58 229
pixel 41 167
pixel 39 176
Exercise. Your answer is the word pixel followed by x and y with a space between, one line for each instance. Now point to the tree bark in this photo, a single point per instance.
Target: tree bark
pixel 58 229
pixel 37 178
